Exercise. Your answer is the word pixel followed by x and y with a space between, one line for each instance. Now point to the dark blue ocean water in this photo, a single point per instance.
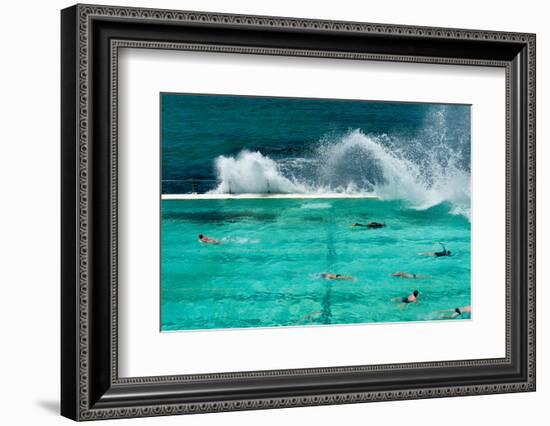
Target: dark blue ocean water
pixel 197 129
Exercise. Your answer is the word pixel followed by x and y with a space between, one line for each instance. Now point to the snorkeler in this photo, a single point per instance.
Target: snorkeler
pixel 207 240
pixel 442 253
pixel 411 298
pixel 404 275
pixel 370 225
pixel 338 277
pixel 456 312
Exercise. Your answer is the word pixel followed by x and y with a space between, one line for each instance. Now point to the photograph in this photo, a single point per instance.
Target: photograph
pixel 295 212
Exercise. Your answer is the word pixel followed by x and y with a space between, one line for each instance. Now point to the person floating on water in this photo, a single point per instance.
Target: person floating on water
pixel 309 317
pixel 404 275
pixel 329 276
pixel 411 298
pixel 370 225
pixel 441 253
pixel 456 312
pixel 207 240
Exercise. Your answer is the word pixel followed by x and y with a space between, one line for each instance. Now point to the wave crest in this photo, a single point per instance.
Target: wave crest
pixel 423 175
pixel 252 173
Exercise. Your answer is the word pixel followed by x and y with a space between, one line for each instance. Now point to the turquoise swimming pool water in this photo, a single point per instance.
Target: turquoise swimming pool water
pixel 266 271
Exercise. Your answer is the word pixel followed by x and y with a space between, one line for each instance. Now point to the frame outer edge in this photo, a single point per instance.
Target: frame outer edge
pixel 83 12
pixel 83 84
pixel 69 220
pixel 531 213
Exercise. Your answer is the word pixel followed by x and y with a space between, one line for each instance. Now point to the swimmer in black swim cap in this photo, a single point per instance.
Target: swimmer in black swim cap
pixel 411 298
pixel 456 312
pixel 441 253
pixel 370 225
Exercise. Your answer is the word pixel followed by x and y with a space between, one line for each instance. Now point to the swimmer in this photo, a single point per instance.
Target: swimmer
pixel 456 312
pixel 375 225
pixel 370 225
pixel 404 275
pixel 207 240
pixel 337 277
pixel 309 317
pixel 442 253
pixel 411 298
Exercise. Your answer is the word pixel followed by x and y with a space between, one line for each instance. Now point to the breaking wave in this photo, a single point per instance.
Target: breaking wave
pixel 253 173
pixel 421 174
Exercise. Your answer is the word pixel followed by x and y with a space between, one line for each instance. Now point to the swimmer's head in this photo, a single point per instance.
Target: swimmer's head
pixel 415 293
pixel 200 235
pixel 449 252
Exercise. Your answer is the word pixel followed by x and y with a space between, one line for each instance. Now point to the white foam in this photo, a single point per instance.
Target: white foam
pixel 221 196
pixel 316 206
pixel 240 240
pixel 419 173
pixel 421 185
pixel 251 172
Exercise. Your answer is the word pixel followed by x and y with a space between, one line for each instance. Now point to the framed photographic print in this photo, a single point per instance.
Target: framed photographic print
pixel 263 212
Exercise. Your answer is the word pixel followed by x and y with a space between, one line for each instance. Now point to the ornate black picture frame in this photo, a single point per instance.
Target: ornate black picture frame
pixel 91 37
